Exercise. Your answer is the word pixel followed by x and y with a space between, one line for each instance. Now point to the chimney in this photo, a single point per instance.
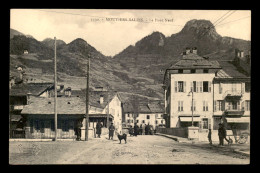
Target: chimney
pixel 101 99
pixel 194 50
pixel 187 50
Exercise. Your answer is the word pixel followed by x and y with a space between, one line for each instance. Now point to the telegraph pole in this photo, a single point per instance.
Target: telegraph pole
pixel 55 90
pixel 87 101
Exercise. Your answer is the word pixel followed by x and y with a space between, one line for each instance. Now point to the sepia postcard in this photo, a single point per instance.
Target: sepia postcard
pixel 128 87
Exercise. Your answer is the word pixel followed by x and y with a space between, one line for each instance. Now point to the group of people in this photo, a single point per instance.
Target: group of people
pixel 222 134
pixel 142 130
pixel 111 129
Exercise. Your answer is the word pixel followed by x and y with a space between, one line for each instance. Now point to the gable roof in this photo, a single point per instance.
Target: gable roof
pixel 194 61
pixel 33 88
pixel 65 105
pixel 152 107
pixel 229 72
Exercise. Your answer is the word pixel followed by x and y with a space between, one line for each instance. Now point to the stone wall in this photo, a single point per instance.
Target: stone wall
pixel 178 131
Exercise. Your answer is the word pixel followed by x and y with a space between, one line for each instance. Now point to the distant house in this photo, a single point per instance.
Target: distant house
pixel 19 96
pixel 25 52
pixel 151 113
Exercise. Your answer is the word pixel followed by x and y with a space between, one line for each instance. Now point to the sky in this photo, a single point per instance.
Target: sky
pixel 111 31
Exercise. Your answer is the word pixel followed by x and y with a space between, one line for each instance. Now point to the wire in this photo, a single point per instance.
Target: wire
pixel 234 20
pixel 106 17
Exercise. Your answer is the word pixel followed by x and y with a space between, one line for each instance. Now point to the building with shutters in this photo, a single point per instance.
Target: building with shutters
pixel 220 94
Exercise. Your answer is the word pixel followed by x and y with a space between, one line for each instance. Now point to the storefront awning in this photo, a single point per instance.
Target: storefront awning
pixel 238 120
pixel 189 119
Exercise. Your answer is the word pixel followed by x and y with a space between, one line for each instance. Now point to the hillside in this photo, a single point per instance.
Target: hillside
pixel 138 69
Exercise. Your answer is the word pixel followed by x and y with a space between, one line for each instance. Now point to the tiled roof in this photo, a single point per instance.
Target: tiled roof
pixel 152 107
pixel 33 88
pixel 194 61
pixel 94 97
pixel 65 105
pixel 229 71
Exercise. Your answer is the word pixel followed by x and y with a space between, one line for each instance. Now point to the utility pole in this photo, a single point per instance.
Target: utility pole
pixel 107 108
pixel 87 100
pixel 55 90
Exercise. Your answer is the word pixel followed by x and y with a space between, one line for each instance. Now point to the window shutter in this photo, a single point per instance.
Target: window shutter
pixel 243 88
pixel 191 86
pixel 197 86
pixel 176 86
pixel 181 105
pixel 220 88
pixel 194 105
pixel 203 105
pixel 201 84
pixel 184 86
pixel 215 105
pixel 209 86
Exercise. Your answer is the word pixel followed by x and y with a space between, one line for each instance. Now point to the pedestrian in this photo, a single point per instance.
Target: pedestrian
pixel 209 137
pixel 221 134
pixel 111 131
pixel 143 129
pixel 131 131
pixel 147 129
pixel 98 128
pixel 225 134
pixel 136 129
pixel 78 130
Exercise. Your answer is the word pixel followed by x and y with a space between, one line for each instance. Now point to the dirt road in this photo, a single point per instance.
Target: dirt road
pixel 138 150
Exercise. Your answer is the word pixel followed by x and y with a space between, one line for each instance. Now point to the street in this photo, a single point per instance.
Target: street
pixel 147 149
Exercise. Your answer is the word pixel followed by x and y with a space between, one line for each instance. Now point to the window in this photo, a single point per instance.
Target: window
pixel 65 126
pixel 132 121
pixel 205 86
pixel 137 121
pixel 128 115
pixel 147 116
pixel 42 127
pixel 180 71
pixel 220 88
pixel 199 87
pixel 156 115
pixel 247 87
pixel 180 86
pixel 143 121
pixel 194 106
pixel 247 105
pixel 162 121
pixel 229 105
pixel 205 106
pixel 180 106
pixel 52 125
pixel 205 71
pixel 156 122
pixel 194 86
pixel 128 121
pixel 234 87
pixel 192 71
pixel 234 105
pixel 205 123
pixel 37 125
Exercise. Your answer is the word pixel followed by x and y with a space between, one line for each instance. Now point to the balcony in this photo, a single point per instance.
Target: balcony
pixel 232 95
pixel 234 112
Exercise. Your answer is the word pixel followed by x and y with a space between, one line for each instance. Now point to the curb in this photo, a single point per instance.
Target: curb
pixel 184 141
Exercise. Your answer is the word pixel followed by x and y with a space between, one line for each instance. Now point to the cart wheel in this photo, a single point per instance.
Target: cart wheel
pixel 242 139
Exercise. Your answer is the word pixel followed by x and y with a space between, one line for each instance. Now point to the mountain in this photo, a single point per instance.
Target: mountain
pixel 49 42
pixel 152 54
pixel 14 32
pixel 138 69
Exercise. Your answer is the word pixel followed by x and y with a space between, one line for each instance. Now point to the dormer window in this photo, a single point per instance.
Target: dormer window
pixel 180 71
pixel 206 71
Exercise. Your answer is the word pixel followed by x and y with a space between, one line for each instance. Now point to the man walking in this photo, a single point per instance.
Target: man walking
pixel 209 137
pixel 111 131
pixel 143 129
pixel 136 129
pixel 98 128
pixel 221 134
